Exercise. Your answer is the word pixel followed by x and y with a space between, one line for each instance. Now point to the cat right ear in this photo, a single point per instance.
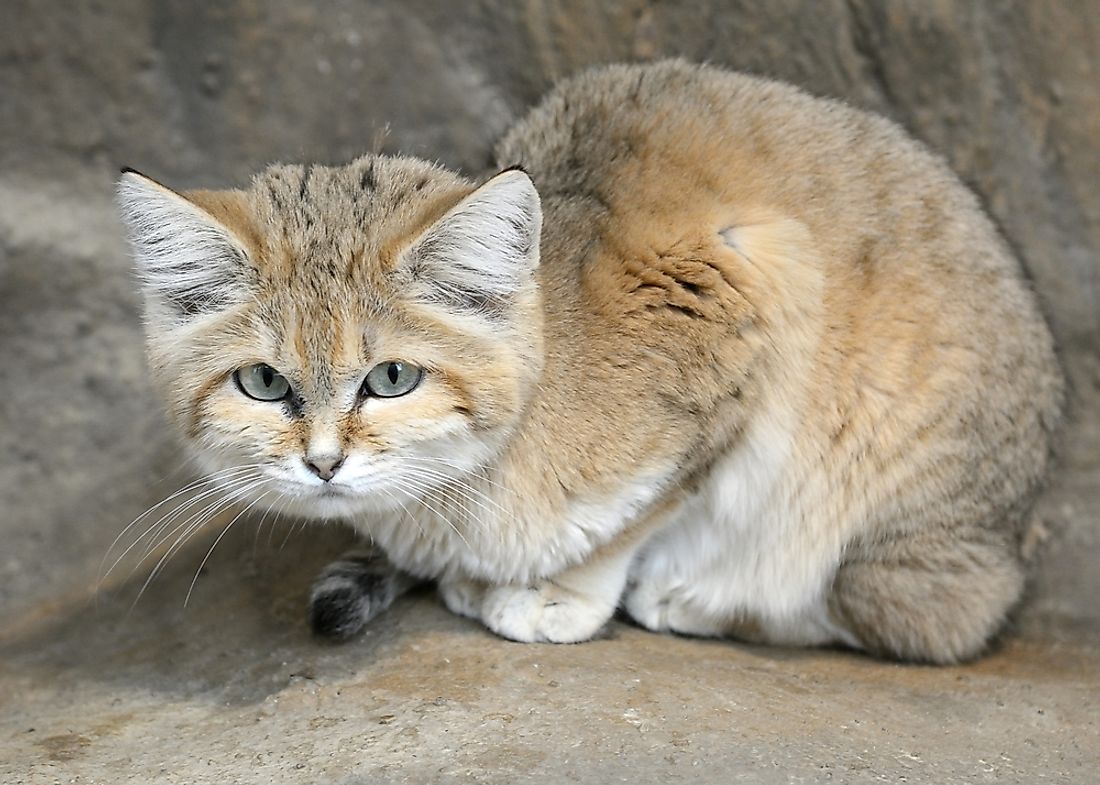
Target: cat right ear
pixel 189 263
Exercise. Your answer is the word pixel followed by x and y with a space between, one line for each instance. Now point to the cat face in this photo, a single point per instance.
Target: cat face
pixel 340 340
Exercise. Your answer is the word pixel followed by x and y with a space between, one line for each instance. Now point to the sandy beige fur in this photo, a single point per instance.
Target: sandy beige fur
pixel 769 371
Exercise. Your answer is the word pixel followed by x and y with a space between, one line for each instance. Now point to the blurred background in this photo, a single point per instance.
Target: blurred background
pixel 205 94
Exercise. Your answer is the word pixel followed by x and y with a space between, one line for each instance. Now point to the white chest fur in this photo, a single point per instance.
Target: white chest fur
pixel 504 538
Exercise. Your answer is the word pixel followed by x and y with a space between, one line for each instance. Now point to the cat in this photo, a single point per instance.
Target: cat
pixel 736 360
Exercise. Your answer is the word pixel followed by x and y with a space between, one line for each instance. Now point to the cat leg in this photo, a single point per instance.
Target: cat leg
pixel 673 572
pixel 932 598
pixel 693 579
pixel 568 608
pixel 462 596
pixel 665 607
pixel 576 603
pixel 353 590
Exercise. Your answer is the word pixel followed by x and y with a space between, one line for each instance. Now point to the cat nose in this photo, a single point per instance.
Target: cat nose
pixel 325 466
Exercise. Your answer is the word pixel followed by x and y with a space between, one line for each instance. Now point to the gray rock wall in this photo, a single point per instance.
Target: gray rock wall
pixel 206 93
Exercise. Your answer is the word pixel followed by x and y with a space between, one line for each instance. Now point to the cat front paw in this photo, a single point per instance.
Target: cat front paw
pixel 543 612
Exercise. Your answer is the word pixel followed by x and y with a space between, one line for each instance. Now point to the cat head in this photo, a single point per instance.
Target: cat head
pixel 339 339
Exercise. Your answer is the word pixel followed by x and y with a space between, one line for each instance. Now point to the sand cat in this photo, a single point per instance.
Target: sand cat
pixel 733 359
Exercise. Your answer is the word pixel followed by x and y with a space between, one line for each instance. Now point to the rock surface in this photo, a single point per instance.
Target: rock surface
pixel 232 689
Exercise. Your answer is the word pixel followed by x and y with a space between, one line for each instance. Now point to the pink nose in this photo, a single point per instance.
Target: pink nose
pixel 325 466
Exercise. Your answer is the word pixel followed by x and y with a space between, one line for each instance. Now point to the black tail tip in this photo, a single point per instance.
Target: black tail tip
pixel 337 615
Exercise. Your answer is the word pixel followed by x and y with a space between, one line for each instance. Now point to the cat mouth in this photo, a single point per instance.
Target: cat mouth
pixel 324 491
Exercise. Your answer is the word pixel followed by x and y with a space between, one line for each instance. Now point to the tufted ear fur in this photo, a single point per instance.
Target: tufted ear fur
pixel 483 252
pixel 189 263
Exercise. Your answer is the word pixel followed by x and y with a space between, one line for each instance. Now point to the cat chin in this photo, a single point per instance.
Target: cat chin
pixel 331 506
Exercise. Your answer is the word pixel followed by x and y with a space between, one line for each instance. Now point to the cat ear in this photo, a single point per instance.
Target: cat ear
pixel 484 251
pixel 189 263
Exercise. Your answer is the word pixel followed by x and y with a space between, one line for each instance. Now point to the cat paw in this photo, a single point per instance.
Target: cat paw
pixel 543 613
pixel 662 608
pixel 463 597
pixel 648 606
pixel 351 591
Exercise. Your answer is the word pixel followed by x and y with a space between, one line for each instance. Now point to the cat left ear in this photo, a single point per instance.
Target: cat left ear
pixel 189 263
pixel 483 251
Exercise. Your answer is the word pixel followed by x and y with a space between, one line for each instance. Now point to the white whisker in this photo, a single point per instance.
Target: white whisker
pixel 294 526
pixel 218 539
pixel 409 515
pixel 479 471
pixel 221 487
pixel 185 489
pixel 277 519
pixel 191 526
pixel 471 493
pixel 405 484
pixel 154 530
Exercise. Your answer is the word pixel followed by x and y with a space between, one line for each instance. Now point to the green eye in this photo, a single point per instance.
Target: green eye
pixel 391 379
pixel 262 382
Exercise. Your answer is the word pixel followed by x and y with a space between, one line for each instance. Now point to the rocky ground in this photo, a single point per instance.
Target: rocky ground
pixel 231 688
